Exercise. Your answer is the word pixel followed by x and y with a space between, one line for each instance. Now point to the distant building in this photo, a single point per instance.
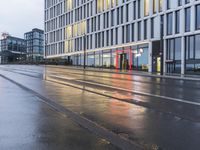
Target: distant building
pixel 12 49
pixel 34 44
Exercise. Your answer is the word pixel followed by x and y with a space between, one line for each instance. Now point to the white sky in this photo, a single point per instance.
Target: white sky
pixel 20 16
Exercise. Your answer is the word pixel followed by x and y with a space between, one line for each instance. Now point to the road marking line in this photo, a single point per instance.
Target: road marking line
pixel 136 92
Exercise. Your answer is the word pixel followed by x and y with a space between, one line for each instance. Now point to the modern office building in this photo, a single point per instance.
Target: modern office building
pixel 147 35
pixel 12 50
pixel 35 45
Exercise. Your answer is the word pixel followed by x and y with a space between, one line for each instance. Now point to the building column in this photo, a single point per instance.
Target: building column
pixel 150 57
pixel 164 55
pixel 182 55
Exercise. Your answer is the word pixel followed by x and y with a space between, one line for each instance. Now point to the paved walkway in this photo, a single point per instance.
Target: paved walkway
pixel 27 123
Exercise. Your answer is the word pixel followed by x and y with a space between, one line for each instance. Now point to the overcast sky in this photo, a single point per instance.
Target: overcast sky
pixel 20 16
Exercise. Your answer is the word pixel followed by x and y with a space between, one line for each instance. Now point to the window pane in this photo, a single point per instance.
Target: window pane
pixel 191 47
pixel 178 49
pixel 197 46
pixel 198 17
pixel 146 7
pixel 187 19
pixel 169 23
pixel 177 25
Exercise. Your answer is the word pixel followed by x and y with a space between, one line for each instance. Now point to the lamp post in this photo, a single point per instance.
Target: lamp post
pixel 84 63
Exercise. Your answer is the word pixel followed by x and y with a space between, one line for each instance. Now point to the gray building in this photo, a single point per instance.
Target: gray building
pixel 35 45
pixel 148 35
pixel 12 50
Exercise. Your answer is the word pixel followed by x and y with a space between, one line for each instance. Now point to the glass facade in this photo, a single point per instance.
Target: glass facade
pixel 91 59
pixel 106 59
pixel 126 58
pixel 13 50
pixel 173 55
pixel 140 58
pixel 192 56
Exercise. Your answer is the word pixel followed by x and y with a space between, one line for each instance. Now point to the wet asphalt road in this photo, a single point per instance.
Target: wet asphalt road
pixel 143 112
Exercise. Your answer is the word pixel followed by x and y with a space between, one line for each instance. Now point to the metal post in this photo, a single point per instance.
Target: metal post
pixel 84 65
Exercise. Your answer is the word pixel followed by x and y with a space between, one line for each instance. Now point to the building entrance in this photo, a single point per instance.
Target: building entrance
pixel 124 62
pixel 157 57
pixel 124 59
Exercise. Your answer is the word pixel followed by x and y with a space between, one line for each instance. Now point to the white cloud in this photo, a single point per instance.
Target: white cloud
pixel 20 16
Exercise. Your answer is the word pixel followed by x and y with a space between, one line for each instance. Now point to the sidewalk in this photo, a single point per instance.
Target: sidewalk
pixel 134 72
pixel 27 123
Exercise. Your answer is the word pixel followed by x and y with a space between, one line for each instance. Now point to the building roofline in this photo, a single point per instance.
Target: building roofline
pixel 35 29
pixel 13 38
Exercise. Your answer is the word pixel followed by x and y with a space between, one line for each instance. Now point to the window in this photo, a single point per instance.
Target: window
pixel 116 36
pixel 174 49
pixel 177 19
pixel 197 47
pixel 102 42
pixel 187 1
pixel 152 28
pixel 111 36
pixel 133 31
pixel 179 2
pixel 122 14
pixel 139 9
pixel 123 34
pixel 174 53
pixel 154 6
pixel 134 10
pixel 189 47
pixel 169 23
pixel 117 16
pixel 169 4
pixel 192 54
pixel 127 33
pixel 112 18
pixel 146 7
pixel 127 12
pixel 178 49
pixel 139 31
pixel 107 38
pixel 187 19
pixel 145 29
pixel 160 5
pixel 198 17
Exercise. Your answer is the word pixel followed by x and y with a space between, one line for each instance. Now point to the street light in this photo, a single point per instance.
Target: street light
pixel 84 64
